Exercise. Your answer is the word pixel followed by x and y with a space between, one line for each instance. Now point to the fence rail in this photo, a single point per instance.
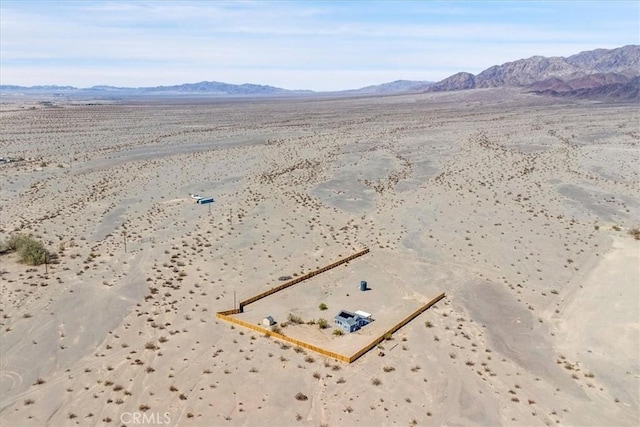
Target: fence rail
pixel 285 338
pixel 299 279
pixel 394 329
pixel 226 315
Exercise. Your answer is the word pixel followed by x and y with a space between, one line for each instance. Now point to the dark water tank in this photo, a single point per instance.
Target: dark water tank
pixel 363 285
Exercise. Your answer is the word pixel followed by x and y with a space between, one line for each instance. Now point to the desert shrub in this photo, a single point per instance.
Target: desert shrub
pixel 301 396
pixel 14 242
pixel 150 346
pixel 635 232
pixel 323 306
pixel 295 319
pixel 338 332
pixel 30 251
pixel 322 323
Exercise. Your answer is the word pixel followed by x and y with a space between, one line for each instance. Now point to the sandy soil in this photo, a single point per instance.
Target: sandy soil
pixel 518 207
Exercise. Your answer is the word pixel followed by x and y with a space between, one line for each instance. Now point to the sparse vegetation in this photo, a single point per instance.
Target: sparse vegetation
pixel 301 396
pixel 30 251
pixel 295 319
pixel 150 346
pixel 323 306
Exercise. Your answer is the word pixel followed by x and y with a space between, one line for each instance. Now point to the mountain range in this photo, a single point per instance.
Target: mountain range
pixel 601 73
pixel 607 74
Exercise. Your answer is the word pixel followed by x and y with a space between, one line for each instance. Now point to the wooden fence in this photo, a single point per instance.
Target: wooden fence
pixel 226 315
pixel 399 325
pixel 299 279
pixel 285 338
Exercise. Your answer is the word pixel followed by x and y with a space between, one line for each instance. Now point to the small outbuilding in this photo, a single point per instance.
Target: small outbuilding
pixel 364 314
pixel 268 321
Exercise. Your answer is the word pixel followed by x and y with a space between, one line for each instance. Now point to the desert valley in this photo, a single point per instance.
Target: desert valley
pixel 523 209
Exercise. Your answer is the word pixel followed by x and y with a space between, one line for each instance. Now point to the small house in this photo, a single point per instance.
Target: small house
pixel 350 322
pixel 268 321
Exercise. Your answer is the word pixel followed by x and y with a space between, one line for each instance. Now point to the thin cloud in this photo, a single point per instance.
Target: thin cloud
pixel 289 41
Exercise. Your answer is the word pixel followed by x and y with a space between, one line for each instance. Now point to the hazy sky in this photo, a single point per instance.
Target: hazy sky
pixel 293 44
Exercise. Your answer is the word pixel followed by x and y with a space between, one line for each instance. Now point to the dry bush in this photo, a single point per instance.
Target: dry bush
pixel 30 251
pixel 322 323
pixel 295 319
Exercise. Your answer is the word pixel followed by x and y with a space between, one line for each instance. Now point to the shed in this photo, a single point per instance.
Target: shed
pixel 268 321
pixel 363 314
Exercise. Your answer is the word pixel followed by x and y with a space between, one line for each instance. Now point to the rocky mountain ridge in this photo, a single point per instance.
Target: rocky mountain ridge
pixel 611 71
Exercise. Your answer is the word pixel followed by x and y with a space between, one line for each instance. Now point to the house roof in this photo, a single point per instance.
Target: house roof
pixel 346 316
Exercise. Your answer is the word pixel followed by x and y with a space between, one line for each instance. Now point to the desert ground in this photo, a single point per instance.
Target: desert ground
pixel 518 207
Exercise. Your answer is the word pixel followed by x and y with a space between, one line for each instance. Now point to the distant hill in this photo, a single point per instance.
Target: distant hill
pixel 577 75
pixel 45 88
pixel 618 91
pixel 221 89
pixel 204 88
pixel 397 86
pixel 458 81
